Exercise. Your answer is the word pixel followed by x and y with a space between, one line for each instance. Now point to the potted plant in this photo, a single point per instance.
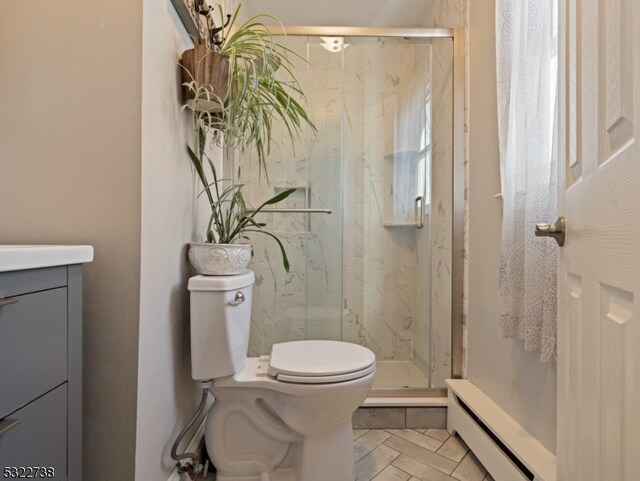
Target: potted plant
pixel 205 75
pixel 223 253
pixel 240 116
pixel 242 112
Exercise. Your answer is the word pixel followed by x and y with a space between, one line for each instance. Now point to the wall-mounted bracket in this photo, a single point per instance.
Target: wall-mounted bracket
pixel 197 18
pixel 185 11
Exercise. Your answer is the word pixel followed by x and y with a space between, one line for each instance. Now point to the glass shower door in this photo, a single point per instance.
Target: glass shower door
pixel 387 151
pixel 362 273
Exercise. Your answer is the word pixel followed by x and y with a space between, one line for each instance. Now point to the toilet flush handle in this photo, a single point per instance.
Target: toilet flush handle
pixel 239 299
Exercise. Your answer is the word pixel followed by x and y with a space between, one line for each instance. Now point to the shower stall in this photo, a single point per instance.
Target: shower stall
pixel 373 229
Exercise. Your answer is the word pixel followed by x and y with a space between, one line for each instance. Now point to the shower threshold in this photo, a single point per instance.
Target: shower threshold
pixel 401 383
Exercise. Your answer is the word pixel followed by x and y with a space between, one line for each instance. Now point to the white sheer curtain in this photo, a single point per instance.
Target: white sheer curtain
pixel 526 46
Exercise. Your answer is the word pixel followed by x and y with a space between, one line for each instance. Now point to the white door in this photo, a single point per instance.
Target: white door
pixel 599 283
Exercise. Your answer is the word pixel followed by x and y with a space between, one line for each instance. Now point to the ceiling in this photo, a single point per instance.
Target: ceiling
pixel 352 13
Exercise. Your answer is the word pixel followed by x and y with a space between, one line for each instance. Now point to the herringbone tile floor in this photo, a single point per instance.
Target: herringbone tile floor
pixel 414 455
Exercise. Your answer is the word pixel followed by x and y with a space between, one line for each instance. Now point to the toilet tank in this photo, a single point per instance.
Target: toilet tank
pixel 220 322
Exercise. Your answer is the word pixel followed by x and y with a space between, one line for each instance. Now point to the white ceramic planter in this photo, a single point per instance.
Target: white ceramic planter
pixel 219 259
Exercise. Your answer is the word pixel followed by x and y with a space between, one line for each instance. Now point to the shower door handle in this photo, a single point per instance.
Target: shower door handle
pixel 420 206
pixel 557 230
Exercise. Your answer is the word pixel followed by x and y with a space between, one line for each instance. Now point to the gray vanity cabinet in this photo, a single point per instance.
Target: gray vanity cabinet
pixel 41 373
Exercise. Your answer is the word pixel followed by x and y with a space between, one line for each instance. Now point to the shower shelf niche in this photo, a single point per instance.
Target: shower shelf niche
pixel 404 224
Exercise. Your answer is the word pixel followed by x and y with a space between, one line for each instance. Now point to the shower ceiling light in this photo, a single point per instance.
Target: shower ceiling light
pixel 333 44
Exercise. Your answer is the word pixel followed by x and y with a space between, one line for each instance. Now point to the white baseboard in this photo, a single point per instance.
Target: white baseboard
pixel 195 446
pixel 505 448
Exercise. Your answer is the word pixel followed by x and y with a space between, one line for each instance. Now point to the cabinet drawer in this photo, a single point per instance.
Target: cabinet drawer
pixel 33 347
pixel 39 439
pixel 16 283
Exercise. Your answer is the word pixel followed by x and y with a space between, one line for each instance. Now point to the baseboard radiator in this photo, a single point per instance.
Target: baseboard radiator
pixel 505 448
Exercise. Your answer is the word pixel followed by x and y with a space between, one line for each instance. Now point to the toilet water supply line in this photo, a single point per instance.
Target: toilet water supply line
pixel 194 467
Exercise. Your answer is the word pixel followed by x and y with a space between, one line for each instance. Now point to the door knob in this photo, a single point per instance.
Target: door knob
pixel 557 230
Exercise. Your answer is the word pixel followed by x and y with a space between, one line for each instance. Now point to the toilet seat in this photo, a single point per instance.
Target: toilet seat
pixel 320 362
pixel 325 379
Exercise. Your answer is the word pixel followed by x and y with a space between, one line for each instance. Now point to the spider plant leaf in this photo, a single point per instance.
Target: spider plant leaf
pixel 263 93
pixel 197 164
pixel 285 259
pixel 274 200
pixel 280 196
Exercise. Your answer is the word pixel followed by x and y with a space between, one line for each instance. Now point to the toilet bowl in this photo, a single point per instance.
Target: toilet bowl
pixel 283 417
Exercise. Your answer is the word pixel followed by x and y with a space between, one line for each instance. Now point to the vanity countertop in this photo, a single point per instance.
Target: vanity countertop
pixel 20 257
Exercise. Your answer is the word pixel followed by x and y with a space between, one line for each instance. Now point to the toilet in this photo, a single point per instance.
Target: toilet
pixel 283 417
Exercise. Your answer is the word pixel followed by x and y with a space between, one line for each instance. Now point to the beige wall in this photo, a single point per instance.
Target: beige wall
pixel 515 379
pixel 70 173
pixel 92 150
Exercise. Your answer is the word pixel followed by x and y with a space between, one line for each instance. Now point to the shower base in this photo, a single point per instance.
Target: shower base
pixel 402 384
pixel 401 398
pixel 399 375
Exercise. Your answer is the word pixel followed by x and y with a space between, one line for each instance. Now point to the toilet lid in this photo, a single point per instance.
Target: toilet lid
pixel 320 361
